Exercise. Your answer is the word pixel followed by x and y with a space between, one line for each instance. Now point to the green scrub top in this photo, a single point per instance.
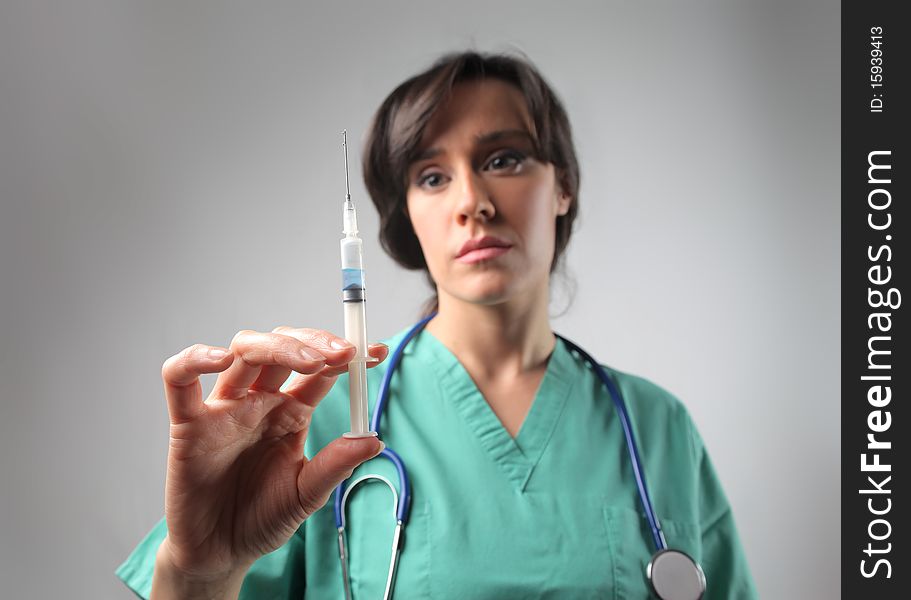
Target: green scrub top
pixel 552 513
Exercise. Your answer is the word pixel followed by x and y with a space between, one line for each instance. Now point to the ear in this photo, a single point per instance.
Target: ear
pixel 564 200
pixel 563 203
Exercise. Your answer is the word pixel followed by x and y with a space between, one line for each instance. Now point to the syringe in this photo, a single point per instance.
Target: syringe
pixel 354 301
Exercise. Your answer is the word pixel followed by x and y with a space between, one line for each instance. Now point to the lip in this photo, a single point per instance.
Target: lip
pixel 483 248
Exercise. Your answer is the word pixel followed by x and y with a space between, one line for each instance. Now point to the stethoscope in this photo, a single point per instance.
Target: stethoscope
pixel 672 574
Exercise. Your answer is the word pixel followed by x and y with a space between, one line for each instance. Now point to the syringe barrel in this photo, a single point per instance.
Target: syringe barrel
pixel 356 333
pixel 354 301
pixel 353 287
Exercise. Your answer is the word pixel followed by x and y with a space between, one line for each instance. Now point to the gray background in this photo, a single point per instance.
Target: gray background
pixel 170 172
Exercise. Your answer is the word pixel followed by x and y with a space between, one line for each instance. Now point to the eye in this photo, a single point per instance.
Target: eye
pixel 507 160
pixel 430 180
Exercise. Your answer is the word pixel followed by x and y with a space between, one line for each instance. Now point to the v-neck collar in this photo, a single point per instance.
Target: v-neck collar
pixel 518 456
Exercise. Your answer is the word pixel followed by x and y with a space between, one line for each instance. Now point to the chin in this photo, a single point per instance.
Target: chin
pixel 488 289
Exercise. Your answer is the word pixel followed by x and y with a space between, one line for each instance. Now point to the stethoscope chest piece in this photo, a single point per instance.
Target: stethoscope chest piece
pixel 673 575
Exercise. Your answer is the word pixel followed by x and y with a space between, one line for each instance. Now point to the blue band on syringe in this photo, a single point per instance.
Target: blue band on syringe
pixel 353 285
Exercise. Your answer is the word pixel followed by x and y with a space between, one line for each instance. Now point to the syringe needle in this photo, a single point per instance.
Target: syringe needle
pixel 345 146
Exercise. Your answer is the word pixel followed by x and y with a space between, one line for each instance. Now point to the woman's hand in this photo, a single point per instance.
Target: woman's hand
pixel 238 484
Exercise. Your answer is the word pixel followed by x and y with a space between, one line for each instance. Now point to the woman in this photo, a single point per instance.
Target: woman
pixel 521 477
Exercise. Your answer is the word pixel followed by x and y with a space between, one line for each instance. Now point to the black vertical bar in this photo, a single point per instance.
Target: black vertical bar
pixel 876 372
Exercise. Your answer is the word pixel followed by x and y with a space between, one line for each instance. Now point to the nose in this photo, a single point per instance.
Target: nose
pixel 474 200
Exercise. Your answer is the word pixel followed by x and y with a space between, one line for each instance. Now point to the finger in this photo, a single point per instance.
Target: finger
pixel 337 350
pixel 256 350
pixel 334 348
pixel 306 388
pixel 330 466
pixel 180 374
pixel 271 378
pixel 378 351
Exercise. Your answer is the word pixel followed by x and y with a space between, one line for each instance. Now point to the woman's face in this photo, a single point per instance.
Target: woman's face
pixel 482 204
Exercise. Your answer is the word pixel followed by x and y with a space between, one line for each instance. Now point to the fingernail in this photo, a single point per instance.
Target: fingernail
pixel 218 353
pixel 340 345
pixel 309 354
pixel 380 451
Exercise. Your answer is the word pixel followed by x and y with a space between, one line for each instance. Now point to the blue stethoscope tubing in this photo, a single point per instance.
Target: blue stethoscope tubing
pixel 404 499
pixel 635 460
pixel 405 485
pixel 404 504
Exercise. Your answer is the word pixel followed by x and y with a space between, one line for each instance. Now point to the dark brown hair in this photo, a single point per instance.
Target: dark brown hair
pixel 398 126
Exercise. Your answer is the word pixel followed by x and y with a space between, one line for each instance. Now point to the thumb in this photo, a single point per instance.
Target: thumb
pixel 332 465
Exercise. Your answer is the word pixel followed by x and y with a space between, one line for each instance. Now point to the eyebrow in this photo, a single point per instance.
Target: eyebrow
pixel 484 138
